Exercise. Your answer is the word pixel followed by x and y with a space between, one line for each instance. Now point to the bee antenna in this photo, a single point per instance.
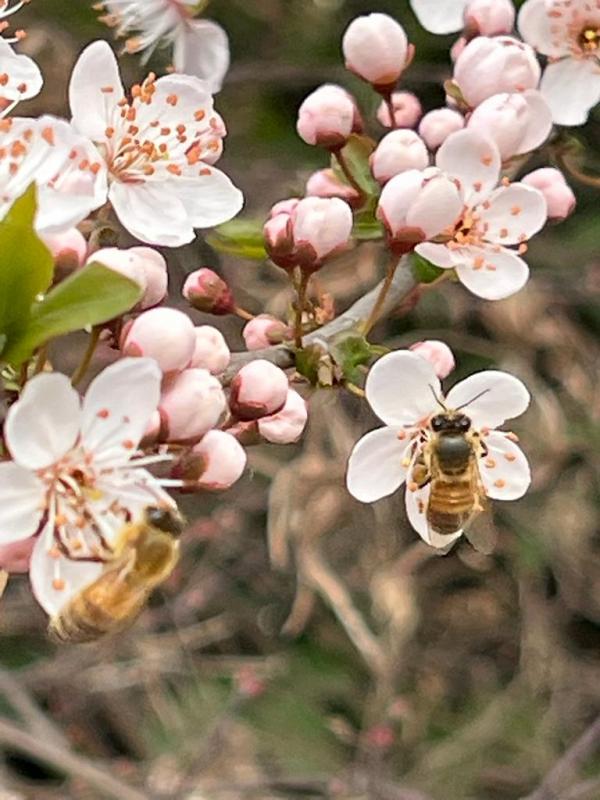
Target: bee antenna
pixel 472 400
pixel 437 399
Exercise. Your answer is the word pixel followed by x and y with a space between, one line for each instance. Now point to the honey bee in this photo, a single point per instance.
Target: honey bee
pixel 449 462
pixel 144 556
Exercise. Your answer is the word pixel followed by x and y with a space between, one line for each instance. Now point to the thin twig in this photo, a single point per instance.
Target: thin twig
pixel 568 764
pixel 383 292
pixel 79 373
pixel 31 714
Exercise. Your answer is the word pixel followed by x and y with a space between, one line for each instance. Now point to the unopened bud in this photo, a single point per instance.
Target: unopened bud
pixel 69 250
pixel 437 125
pixel 191 404
pixel 206 291
pixel 145 266
pixel 258 390
pixel 407 111
pixel 376 49
pixel 397 152
pixel 164 334
pixel 438 354
pixel 560 198
pixel 264 331
pixel 490 17
pixel 517 123
pixel 321 228
pixel 211 351
pixel 215 463
pixel 15 557
pixel 278 234
pixel 327 117
pixel 287 425
pixel 325 183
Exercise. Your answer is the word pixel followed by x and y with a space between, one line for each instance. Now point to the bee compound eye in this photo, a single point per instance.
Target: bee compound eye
pixel 165 519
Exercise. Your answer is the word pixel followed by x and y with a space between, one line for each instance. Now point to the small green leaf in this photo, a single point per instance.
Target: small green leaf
pixel 240 237
pixel 91 296
pixel 350 350
pixel 356 153
pixel 423 270
pixel 366 226
pixel 26 265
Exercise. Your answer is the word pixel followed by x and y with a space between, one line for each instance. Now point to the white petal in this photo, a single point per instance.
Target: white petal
pixel 540 31
pixel 437 254
pixel 515 213
pixel 489 398
pixel 571 87
pixel 210 198
pixel 375 468
pixel 24 79
pixel 440 16
pixel 505 470
pixel 473 160
pixel 437 206
pixel 192 96
pixel 401 388
pixel 43 424
pixel 118 406
pixel 95 90
pixel 416 511
pixel 46 571
pixel 489 274
pixel 152 213
pixel 539 121
pixel 202 49
pixel 21 503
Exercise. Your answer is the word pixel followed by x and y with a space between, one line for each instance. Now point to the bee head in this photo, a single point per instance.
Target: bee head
pixel 450 423
pixel 165 519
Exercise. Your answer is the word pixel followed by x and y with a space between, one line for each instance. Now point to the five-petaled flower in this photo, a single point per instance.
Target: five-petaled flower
pixel 201 47
pixel 76 476
pixel 493 218
pixel 568 32
pixel 404 392
pixel 159 148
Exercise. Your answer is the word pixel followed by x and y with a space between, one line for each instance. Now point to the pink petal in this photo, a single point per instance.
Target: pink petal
pixel 21 503
pixel 489 398
pixel 437 206
pixel 440 16
pixel 17 556
pixel 505 470
pixel 416 511
pixel 202 49
pixel 95 90
pixel 546 34
pixel 118 406
pixel 515 214
pixel 473 160
pixel 571 87
pixel 376 468
pixel 43 424
pixel 401 388
pixel 539 123
pixel 490 274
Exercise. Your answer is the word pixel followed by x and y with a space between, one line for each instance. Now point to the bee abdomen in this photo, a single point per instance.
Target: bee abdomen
pixel 450 505
pixel 82 621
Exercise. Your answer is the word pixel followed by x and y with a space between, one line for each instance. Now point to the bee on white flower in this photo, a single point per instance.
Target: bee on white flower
pixel 200 47
pixel 446 449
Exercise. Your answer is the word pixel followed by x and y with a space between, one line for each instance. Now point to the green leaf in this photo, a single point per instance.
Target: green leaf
pixel 366 226
pixel 350 350
pixel 423 270
pixel 91 296
pixel 356 153
pixel 26 265
pixel 240 237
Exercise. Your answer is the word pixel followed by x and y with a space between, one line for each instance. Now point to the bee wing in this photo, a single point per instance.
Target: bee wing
pixel 479 528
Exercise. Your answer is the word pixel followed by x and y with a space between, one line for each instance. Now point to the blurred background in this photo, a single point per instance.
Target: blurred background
pixel 309 646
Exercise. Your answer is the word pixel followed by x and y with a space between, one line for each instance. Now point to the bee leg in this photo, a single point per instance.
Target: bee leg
pixel 420 473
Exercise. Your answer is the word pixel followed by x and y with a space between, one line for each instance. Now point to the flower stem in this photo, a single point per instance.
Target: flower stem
pixel 300 303
pixel 387 98
pixel 341 159
pixel 385 287
pixel 242 313
pixel 79 373
pixel 42 357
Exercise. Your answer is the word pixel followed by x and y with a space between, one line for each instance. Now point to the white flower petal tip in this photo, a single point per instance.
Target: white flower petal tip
pixel 376 466
pixel 440 17
pixel 490 398
pixel 401 388
pixel 504 471
pixel 202 49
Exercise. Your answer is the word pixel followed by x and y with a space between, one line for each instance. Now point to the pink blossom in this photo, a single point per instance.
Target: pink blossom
pixel 490 17
pixel 327 117
pixel 145 266
pixel 215 463
pixel 164 334
pixel 325 183
pixel 407 111
pixel 376 49
pixel 258 390
pixel 438 124
pixel 16 557
pixel 68 248
pixel 191 403
pixel 264 331
pixel 206 291
pixel 398 152
pixel 287 425
pixel 211 351
pixel 321 228
pixel 439 355
pixel 559 196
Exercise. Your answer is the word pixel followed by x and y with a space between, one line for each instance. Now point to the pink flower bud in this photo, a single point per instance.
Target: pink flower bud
pixel 154 268
pixel 211 351
pixel 68 249
pixel 278 232
pixel 15 557
pixel 264 331
pixel 415 206
pixel 438 354
pixel 284 207
pixel 517 123
pixel 321 227
pixel 259 389
pixel 492 66
pixel 376 49
pixel 215 463
pixel 190 405
pixel 287 425
pixel 206 291
pixel 325 183
pixel 407 111
pixel 397 152
pixel 152 432
pixel 559 195
pixel 438 124
pixel 490 17
pixel 457 48
pixel 164 334
pixel 327 117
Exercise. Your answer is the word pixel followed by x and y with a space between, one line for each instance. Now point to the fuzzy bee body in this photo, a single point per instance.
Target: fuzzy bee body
pixel 145 554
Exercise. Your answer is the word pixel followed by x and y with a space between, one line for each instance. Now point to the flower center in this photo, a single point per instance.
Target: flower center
pixel 465 232
pixel 589 39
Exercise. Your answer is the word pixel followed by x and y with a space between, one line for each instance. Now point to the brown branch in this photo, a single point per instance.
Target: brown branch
pixel 401 286
pixel 99 776
pixel 568 764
